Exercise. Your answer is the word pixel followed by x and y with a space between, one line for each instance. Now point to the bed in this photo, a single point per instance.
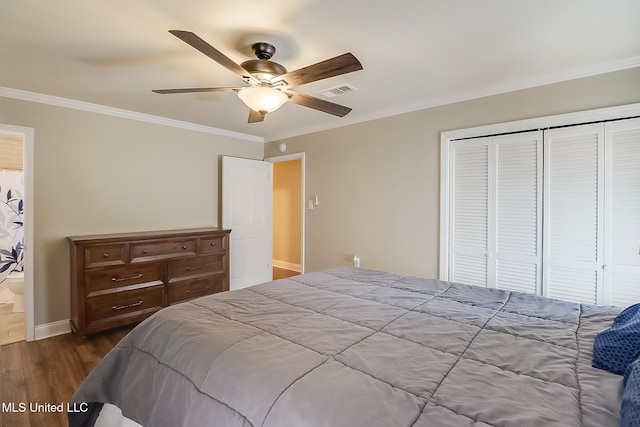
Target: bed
pixel 358 347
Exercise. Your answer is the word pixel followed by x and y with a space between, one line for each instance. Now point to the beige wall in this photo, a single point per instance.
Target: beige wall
pixel 100 174
pixel 379 181
pixel 286 211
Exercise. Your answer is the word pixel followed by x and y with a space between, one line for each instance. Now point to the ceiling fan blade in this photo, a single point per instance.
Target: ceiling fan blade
pixel 255 117
pixel 213 53
pixel 195 89
pixel 336 66
pixel 318 104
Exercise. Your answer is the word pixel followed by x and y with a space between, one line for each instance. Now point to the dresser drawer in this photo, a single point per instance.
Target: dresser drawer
pixel 125 304
pixel 195 267
pixel 148 251
pixel 188 289
pixel 108 280
pixel 104 255
pixel 213 244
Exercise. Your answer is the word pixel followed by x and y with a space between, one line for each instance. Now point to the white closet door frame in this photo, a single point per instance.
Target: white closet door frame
pixel 447 137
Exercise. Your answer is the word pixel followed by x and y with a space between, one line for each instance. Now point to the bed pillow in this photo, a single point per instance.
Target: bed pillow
pixel 630 409
pixel 617 347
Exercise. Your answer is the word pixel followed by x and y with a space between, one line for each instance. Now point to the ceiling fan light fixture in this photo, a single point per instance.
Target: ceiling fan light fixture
pixel 262 99
pixel 271 83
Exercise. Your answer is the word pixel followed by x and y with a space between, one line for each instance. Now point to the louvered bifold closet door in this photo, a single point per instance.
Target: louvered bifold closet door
pixel 622 250
pixel 470 211
pixel 518 212
pixel 573 206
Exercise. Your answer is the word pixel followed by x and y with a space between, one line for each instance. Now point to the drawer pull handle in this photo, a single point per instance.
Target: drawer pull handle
pixel 145 251
pixel 105 255
pixel 122 279
pixel 213 243
pixel 184 246
pixel 121 307
pixel 197 267
pixel 197 291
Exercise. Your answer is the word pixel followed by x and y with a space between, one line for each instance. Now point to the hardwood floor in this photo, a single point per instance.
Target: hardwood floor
pixel 281 273
pixel 48 372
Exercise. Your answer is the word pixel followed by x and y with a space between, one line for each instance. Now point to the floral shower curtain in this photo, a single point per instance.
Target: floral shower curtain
pixel 11 222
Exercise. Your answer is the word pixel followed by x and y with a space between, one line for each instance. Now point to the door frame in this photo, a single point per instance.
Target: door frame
pixel 301 157
pixel 27 135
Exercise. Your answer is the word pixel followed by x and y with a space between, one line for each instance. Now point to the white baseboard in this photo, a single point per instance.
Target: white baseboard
pixel 287 265
pixel 52 329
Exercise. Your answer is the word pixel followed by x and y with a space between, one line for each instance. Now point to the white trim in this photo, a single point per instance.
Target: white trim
pixel 445 162
pixel 303 211
pixel 575 118
pixel 28 165
pixel 287 265
pixel 587 116
pixel 52 329
pixel 497 89
pixel 117 112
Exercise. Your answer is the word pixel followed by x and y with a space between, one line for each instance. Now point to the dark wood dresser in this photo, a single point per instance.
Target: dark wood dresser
pixel 117 279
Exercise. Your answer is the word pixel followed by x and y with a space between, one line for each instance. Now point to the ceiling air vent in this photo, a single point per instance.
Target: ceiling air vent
pixel 338 90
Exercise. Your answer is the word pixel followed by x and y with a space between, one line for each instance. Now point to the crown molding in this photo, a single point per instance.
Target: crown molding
pixel 510 86
pixel 117 112
pixel 498 89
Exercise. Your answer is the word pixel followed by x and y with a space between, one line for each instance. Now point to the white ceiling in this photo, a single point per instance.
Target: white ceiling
pixel 415 53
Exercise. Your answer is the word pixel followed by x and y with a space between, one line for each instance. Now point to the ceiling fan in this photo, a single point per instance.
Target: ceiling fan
pixel 269 83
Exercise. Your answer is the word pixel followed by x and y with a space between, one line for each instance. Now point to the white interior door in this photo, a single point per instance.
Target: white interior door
pixel 496 211
pixel 518 212
pixel 247 198
pixel 622 227
pixel 573 206
pixel 470 216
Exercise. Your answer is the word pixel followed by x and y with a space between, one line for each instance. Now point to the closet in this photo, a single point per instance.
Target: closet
pixel 552 212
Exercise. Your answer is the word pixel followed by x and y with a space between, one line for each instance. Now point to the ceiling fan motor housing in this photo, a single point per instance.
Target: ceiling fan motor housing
pixel 263 50
pixel 262 67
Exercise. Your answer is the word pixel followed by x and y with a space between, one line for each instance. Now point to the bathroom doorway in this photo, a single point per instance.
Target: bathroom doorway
pixel 16 261
pixel 12 320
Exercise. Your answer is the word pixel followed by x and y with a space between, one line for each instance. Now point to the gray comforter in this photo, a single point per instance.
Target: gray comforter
pixel 355 347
